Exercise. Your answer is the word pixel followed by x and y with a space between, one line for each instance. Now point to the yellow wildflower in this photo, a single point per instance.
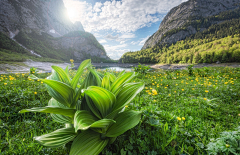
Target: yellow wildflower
pixel 205 99
pixel 183 118
pixel 179 118
pixel 154 92
pixel 182 89
pixel 35 93
pixel 227 145
pixel 5 83
pixel 126 106
pixel 206 91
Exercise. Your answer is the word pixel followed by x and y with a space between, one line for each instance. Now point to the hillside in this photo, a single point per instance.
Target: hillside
pixel 187 49
pixel 191 17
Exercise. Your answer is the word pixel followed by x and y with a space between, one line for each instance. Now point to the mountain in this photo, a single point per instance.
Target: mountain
pixel 196 31
pixel 42 31
pixel 184 20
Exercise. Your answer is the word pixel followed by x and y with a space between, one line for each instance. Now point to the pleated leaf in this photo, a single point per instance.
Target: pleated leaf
pixel 88 143
pixel 106 82
pixel 54 103
pixel 54 76
pixel 88 104
pixel 57 117
pixel 83 120
pixel 92 79
pixel 60 91
pixel 127 94
pixel 33 77
pixel 124 121
pixel 57 138
pixel 124 97
pixel 62 74
pixel 120 81
pixel 112 77
pixel 76 97
pixel 84 64
pixel 61 118
pixel 102 99
pixel 53 110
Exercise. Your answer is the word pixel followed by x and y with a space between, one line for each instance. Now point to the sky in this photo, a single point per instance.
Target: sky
pixel 120 25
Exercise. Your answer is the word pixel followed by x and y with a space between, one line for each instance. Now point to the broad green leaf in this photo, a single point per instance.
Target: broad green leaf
pixel 84 64
pixel 54 76
pixel 67 70
pixel 56 138
pixel 60 91
pixel 102 99
pixel 124 121
pixel 88 143
pixel 84 120
pixel 62 74
pixel 88 104
pixel 126 95
pixel 76 97
pixel 121 73
pixel 57 117
pixel 92 79
pixel 54 103
pixel 112 77
pixel 33 77
pixel 53 110
pixel 61 118
pixel 120 81
pixel 106 82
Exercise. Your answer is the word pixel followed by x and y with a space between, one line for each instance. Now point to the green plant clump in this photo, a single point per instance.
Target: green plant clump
pixel 93 112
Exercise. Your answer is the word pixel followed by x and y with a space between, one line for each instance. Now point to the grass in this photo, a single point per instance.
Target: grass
pixel 182 114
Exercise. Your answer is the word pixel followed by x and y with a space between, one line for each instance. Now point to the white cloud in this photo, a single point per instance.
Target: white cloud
pixel 120 16
pixel 127 35
pixel 134 42
pixel 102 41
pixel 111 37
pixel 143 41
pixel 115 52
pixel 122 42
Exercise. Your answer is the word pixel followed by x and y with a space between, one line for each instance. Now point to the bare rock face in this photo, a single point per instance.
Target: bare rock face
pixel 48 16
pixel 180 15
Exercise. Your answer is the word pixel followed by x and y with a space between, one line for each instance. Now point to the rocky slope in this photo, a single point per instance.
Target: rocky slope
pixel 43 27
pixel 48 16
pixel 182 21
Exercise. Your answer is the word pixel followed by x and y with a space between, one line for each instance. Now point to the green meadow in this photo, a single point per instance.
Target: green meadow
pixel 187 112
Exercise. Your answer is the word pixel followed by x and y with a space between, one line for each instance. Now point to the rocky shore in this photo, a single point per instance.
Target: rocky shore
pixel 24 67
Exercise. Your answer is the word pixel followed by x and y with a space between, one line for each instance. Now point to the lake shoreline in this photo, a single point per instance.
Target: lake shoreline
pixel 23 67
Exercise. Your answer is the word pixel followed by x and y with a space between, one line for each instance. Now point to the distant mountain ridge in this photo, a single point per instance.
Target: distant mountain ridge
pixel 178 23
pixel 43 28
pixel 194 35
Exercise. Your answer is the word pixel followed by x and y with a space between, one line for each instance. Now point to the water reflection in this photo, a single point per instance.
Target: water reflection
pixel 115 68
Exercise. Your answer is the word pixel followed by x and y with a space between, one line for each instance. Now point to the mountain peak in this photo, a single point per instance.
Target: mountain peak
pixel 185 13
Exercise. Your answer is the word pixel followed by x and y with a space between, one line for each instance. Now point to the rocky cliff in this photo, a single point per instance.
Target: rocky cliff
pixel 182 21
pixel 48 16
pixel 44 28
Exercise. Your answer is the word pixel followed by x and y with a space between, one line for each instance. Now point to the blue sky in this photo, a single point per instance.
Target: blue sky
pixel 120 25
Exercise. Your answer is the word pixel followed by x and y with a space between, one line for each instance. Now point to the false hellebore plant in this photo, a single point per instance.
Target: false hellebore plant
pixel 93 112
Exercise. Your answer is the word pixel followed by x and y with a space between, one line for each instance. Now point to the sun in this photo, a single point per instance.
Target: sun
pixel 72 14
